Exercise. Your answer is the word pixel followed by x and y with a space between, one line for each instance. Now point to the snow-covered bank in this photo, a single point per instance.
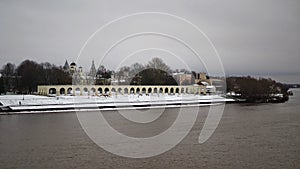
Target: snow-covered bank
pixel 19 103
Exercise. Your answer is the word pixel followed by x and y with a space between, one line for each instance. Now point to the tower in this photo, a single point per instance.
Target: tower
pixel 93 70
pixel 72 67
pixel 66 66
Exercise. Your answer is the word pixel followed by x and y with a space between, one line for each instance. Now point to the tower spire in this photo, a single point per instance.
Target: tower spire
pixel 93 70
pixel 66 66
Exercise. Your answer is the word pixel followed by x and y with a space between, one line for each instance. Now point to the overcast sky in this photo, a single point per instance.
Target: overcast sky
pixel 256 37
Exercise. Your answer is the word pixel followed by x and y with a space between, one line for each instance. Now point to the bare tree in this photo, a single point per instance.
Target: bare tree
pixel 136 68
pixel 9 77
pixel 158 63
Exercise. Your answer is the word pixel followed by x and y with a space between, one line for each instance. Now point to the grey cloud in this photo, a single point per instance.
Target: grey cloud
pixel 257 37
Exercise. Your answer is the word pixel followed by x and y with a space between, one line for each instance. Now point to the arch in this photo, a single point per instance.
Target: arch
pixel 93 91
pixel 77 91
pixel 166 90
pixel 132 90
pixel 126 91
pixel 62 91
pixel 100 90
pixel 186 90
pixel 149 90
pixel 144 90
pixel 161 90
pixel 69 90
pixel 52 91
pixel 113 89
pixel 85 90
pixel 155 90
pixel 182 90
pixel 120 90
pixel 106 90
pixel 172 90
pixel 138 90
pixel 177 90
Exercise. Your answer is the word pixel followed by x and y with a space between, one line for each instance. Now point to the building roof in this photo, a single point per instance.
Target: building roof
pixel 66 66
pixel 93 70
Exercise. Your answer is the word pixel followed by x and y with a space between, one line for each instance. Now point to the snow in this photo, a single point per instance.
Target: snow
pixel 8 100
pixel 63 103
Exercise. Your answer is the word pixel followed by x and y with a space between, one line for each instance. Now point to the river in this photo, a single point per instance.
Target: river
pixel 248 136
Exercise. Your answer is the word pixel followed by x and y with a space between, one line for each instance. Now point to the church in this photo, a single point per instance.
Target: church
pixel 79 76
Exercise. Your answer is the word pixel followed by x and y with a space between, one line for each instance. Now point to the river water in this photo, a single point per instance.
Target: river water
pixel 248 136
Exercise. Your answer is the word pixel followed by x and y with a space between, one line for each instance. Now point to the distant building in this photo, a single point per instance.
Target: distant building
pixel 72 67
pixel 122 77
pixel 79 77
pixel 183 78
pixel 202 79
pixel 93 70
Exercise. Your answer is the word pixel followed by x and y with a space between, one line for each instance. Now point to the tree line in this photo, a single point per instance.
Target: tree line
pixel 257 89
pixel 155 72
pixel 25 78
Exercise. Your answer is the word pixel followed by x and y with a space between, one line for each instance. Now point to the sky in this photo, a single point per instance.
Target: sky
pixel 253 37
